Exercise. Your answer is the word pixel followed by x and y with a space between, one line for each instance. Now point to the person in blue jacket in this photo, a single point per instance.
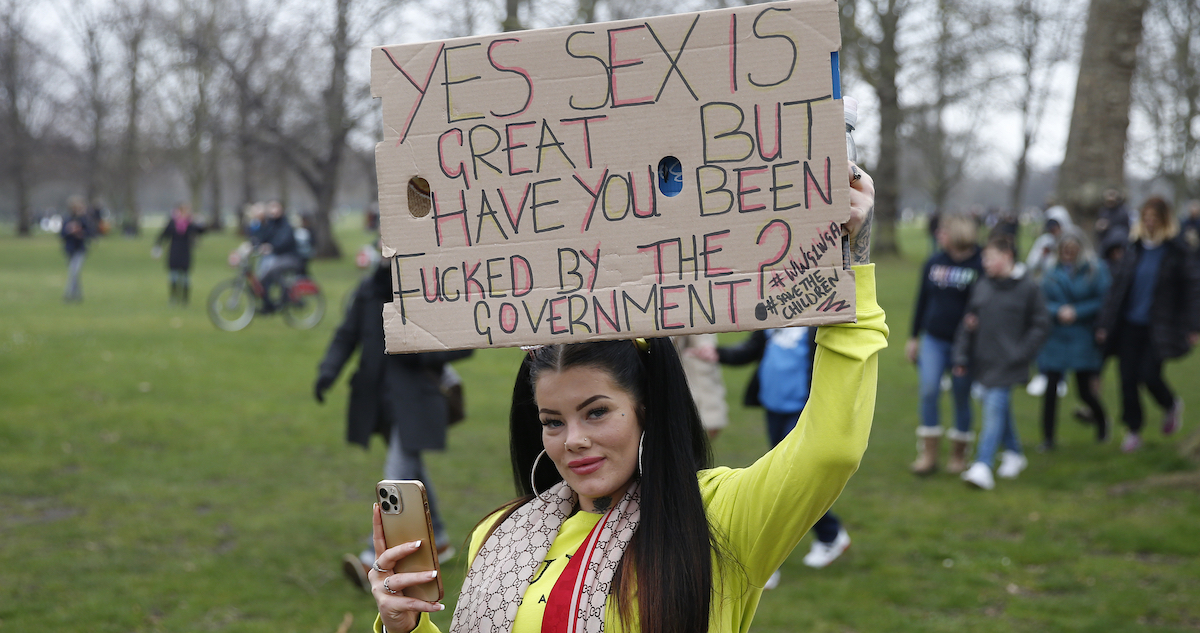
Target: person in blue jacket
pixel 1074 290
pixel 781 387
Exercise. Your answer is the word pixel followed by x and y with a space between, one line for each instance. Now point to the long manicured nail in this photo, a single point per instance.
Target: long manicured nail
pixel 416 544
pixel 441 607
pixel 433 574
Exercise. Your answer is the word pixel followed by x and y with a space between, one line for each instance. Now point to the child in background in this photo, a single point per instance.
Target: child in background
pixel 1003 329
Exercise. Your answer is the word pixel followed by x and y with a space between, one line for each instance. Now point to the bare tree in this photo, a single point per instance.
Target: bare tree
pixel 26 107
pixel 870 30
pixel 1095 155
pixel 309 132
pixel 92 88
pixel 193 36
pixel 1038 35
pixel 948 57
pixel 1167 92
pixel 131 20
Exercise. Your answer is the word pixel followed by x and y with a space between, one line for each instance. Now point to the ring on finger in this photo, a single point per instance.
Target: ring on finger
pixel 389 589
pixel 376 567
pixel 857 174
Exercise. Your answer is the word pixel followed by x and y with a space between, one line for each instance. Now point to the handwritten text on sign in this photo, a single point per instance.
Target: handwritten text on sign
pixel 640 178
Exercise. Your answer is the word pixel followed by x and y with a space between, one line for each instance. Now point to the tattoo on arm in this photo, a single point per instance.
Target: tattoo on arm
pixel 860 246
pixel 602 504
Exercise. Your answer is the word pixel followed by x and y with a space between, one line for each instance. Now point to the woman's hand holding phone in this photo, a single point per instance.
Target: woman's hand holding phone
pixel 400 613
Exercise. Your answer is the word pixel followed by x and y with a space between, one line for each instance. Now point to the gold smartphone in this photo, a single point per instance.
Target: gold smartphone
pixel 405 511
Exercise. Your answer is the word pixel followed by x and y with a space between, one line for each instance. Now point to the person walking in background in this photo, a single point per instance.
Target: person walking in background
pixel 1112 216
pixel 398 396
pixel 181 231
pixel 781 386
pixel 1074 291
pixel 704 379
pixel 1003 329
pixel 1151 314
pixel 946 282
pixel 1043 254
pixel 1190 227
pixel 75 233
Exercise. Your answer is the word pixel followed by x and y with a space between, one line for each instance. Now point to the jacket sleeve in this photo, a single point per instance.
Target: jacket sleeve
pixel 964 339
pixel 1090 306
pixel 1115 296
pixel 164 234
pixel 1055 297
pixel 345 339
pixel 1191 273
pixel 750 350
pixel 1038 324
pixel 765 509
pixel 922 299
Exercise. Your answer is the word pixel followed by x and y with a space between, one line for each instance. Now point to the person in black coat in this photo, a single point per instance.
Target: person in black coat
pixel 398 396
pixel 1151 314
pixel 77 229
pixel 181 231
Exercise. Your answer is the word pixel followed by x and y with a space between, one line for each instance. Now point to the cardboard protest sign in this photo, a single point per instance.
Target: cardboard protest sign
pixel 665 176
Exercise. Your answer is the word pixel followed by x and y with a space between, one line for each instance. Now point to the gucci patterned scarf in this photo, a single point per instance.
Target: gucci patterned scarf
pixel 505 565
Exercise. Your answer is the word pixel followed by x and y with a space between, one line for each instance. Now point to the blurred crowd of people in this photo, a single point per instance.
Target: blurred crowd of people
pixel 983 317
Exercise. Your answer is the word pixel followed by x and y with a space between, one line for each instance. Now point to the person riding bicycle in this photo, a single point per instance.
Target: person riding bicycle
pixel 276 241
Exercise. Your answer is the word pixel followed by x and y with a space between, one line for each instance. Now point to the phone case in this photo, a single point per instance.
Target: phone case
pixel 405 511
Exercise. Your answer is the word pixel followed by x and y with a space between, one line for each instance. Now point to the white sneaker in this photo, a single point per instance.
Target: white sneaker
pixel 822 554
pixel 980 476
pixel 1011 465
pixel 1036 386
pixel 773 581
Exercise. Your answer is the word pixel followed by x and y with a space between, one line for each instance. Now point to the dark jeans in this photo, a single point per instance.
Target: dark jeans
pixel 1140 364
pixel 1085 382
pixel 778 426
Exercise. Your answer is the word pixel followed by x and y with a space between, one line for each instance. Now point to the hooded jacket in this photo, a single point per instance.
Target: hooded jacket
pixel 1012 324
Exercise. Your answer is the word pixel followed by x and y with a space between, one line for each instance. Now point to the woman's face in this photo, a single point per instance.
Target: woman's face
pixel 1068 253
pixel 1150 221
pixel 590 429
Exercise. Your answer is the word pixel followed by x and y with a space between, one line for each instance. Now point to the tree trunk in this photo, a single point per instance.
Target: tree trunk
pixel 131 223
pixel 245 160
pixel 215 222
pixel 1095 155
pixel 512 22
pixel 887 171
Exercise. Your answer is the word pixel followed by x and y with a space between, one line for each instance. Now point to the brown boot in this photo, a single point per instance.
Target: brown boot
pixel 958 456
pixel 926 463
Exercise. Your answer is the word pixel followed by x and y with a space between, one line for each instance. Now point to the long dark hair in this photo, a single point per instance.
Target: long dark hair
pixel 670 556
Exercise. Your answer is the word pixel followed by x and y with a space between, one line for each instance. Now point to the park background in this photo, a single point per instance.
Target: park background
pixel 157 474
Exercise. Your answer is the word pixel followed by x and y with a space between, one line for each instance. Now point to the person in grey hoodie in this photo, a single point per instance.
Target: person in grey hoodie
pixel 1003 329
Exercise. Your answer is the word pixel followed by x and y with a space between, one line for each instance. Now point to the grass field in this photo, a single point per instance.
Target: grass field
pixel 157 474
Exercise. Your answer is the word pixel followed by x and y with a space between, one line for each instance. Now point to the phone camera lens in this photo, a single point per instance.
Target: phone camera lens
pixel 383 493
pixel 394 500
pixel 386 506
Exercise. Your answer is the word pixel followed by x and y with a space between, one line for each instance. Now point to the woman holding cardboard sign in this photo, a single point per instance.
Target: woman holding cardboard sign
pixel 621 524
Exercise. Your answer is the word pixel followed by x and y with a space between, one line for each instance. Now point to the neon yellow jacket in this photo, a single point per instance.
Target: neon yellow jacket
pixel 766 508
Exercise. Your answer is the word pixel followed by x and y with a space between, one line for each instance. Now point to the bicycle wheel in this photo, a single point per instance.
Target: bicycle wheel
pixel 304 304
pixel 231 305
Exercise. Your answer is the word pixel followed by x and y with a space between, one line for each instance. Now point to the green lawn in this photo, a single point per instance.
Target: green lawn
pixel 157 474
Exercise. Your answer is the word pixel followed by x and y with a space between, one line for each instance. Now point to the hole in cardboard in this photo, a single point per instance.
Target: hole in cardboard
pixel 419 199
pixel 670 176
